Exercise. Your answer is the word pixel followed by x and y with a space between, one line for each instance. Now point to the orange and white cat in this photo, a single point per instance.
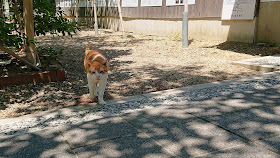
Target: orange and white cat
pixel 97 67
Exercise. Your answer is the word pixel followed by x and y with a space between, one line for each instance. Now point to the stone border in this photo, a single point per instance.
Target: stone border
pixel 40 77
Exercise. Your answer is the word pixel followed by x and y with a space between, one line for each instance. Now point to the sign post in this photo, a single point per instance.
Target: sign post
pixel 185 25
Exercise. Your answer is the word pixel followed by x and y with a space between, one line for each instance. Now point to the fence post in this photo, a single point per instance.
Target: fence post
pixel 121 19
pixel 77 12
pixel 95 17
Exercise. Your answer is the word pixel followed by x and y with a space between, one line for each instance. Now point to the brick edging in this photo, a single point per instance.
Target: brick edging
pixel 40 77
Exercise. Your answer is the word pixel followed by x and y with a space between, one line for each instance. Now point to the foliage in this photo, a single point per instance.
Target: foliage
pixel 46 20
pixel 9 32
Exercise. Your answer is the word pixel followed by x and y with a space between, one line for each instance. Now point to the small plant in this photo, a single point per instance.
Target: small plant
pixel 51 52
pixel 177 36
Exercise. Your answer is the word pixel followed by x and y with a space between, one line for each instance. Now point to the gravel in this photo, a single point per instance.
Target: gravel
pixel 141 64
pixel 193 94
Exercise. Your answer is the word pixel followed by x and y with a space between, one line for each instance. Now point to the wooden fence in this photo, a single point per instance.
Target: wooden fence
pixel 201 8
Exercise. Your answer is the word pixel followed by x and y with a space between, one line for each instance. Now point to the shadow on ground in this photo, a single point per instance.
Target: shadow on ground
pixel 247 48
pixel 26 99
pixel 236 125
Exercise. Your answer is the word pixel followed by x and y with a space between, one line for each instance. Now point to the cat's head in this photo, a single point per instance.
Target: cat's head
pixel 97 69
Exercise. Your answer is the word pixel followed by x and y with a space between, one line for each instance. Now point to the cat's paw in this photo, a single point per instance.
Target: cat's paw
pixel 101 102
pixel 93 99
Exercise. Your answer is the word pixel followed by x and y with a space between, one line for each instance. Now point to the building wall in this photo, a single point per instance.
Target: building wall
pixel 204 21
pixel 205 28
pixel 269 22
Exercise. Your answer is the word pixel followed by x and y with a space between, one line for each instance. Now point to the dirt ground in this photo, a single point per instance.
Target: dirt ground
pixel 140 64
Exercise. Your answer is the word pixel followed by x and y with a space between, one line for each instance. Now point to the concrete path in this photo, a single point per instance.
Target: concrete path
pixel 235 118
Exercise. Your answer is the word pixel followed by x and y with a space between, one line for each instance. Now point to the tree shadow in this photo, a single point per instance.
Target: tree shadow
pixel 158 79
pixel 246 48
pixel 123 80
pixel 237 124
pixel 37 98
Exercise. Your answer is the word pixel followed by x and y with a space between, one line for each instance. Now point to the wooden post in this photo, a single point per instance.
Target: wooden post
pixel 29 31
pixel 86 12
pixel 121 19
pixel 77 12
pixel 95 17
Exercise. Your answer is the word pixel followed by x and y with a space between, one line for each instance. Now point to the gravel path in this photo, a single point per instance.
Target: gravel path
pixel 138 65
pixel 198 93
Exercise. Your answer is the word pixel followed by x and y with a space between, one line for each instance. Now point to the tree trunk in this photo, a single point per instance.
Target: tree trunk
pixel 1 8
pixel 30 50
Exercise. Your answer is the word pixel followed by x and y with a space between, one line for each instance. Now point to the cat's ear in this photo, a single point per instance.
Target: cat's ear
pixel 106 63
pixel 88 63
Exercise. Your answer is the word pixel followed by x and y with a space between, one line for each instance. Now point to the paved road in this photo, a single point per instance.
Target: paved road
pixel 236 118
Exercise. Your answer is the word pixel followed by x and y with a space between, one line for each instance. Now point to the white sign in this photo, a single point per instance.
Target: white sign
pixel 101 3
pixel 151 3
pixel 129 3
pixel 112 3
pixel 238 9
pixel 178 2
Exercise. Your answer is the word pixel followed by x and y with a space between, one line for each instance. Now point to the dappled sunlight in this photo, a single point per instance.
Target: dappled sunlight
pixel 138 65
pixel 183 123
pixel 165 131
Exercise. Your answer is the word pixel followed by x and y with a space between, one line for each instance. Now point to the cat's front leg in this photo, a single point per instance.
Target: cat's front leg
pixel 92 86
pixel 101 89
